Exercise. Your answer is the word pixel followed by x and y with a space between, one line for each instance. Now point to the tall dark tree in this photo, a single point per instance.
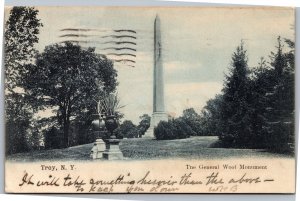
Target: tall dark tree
pixel 66 78
pixel 234 105
pixel 260 83
pixel 20 36
pixel 281 110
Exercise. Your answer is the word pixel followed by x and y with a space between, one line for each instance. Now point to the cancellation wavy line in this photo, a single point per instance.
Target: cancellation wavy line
pixel 119 42
pixel 121 48
pixel 75 41
pixel 108 36
pixel 125 30
pixel 124 60
pixel 121 54
pixel 101 30
pixel 119 36
pixel 74 35
pixel 109 42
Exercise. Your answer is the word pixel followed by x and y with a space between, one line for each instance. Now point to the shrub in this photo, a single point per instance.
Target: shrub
pixel 173 129
pixel 163 131
pixel 129 130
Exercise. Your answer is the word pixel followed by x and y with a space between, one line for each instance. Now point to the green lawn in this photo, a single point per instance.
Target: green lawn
pixel 192 148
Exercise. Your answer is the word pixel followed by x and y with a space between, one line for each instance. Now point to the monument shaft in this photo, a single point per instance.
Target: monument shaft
pixel 159 113
pixel 158 75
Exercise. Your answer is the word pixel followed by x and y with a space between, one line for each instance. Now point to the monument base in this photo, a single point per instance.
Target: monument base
pixel 155 119
pixel 112 151
pixel 98 149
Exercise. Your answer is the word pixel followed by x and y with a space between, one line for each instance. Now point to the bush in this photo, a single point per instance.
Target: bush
pixel 183 129
pixel 163 131
pixel 173 129
pixel 128 130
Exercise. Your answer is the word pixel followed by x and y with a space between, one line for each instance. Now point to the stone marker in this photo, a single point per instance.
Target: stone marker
pixel 112 151
pixel 159 113
pixel 98 149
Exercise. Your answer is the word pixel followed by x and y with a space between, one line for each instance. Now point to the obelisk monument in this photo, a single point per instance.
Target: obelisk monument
pixel 159 113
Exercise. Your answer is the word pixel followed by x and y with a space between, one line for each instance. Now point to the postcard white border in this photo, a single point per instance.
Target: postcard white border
pixel 147 197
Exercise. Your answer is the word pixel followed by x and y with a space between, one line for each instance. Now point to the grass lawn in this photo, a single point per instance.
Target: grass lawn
pixel 192 148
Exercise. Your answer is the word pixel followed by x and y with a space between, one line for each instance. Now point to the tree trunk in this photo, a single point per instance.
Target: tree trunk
pixel 66 133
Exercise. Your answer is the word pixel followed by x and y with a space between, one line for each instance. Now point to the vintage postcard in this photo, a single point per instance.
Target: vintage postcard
pixel 149 99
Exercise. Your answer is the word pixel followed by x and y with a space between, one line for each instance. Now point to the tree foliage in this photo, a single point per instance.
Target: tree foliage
pixel 210 116
pixel 234 104
pixel 129 130
pixel 256 109
pixel 66 78
pixel 173 129
pixel 20 36
pixel 281 110
pixel 144 124
pixel 17 123
pixel 192 118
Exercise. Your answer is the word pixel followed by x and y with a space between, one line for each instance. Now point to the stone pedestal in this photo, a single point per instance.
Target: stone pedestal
pixel 155 119
pixel 98 149
pixel 112 151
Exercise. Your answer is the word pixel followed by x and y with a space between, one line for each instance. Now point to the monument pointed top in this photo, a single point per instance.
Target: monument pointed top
pixel 157 17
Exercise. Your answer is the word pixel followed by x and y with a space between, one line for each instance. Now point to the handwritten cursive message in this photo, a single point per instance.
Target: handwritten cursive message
pixel 211 182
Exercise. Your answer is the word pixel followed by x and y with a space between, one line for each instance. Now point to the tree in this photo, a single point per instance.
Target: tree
pixel 281 110
pixel 260 83
pixel 53 138
pixel 256 109
pixel 192 118
pixel 21 34
pixel 144 124
pixel 66 79
pixel 17 124
pixel 210 116
pixel 234 118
